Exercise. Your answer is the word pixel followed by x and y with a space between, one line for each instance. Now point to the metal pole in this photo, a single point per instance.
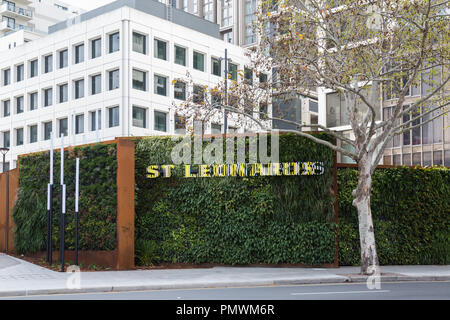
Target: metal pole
pixel 63 209
pixel 225 122
pixel 7 218
pixel 77 220
pixel 7 209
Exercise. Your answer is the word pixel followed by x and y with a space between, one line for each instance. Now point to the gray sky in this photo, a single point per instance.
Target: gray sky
pixel 87 4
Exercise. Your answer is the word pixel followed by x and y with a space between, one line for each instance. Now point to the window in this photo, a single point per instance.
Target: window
pixel 47 130
pixel 96 48
pixel 139 43
pixel 216 128
pixel 199 94
pixel 19 73
pixel 228 36
pixel 215 67
pixel 33 101
pixel 6 77
pixel 63 93
pixel 114 79
pixel 180 55
pixel 160 49
pixel 208 10
pixel 227 13
pixel 19 105
pixel 248 76
pixel 113 117
pixel 63 59
pixel 19 137
pixel 139 117
pixel 79 123
pixel 437 158
pixel 48 63
pixel 48 97
pixel 179 91
pixel 63 127
pixel 160 121
pixel 199 61
pixel 79 53
pixel 33 133
pixel 114 42
pixel 139 80
pixel 6 139
pixel 232 71
pixel 79 89
pixel 33 68
pixel 249 18
pixel 262 78
pixel 94 121
pixel 6 108
pixel 160 85
pixel 96 84
pixel 180 124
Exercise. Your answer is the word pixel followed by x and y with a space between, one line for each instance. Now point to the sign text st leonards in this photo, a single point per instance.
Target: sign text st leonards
pixel 239 170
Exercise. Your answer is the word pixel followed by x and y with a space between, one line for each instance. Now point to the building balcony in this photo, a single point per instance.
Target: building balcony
pixel 8 26
pixel 14 11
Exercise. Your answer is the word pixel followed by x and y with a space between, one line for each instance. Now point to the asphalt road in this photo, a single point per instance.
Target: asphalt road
pixel 438 290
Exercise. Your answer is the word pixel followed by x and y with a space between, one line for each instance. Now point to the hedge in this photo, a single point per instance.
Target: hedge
pixel 411 211
pixel 235 220
pixel 98 200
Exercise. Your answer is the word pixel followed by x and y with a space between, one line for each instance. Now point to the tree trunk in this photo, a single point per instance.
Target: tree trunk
pixel 369 258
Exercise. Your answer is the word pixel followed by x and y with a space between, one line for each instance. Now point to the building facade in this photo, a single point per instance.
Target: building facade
pixel 107 73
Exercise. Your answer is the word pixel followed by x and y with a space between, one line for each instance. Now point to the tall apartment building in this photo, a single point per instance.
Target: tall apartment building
pixel 27 20
pixel 109 73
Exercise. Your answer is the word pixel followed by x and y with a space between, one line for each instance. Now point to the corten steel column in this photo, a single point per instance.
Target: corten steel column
pixel 4 151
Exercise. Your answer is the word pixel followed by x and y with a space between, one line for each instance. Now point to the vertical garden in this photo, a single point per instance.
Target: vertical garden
pixel 235 220
pixel 98 200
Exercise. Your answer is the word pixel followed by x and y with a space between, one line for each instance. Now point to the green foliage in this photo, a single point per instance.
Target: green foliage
pixel 236 220
pixel 411 210
pixel 145 252
pixel 97 202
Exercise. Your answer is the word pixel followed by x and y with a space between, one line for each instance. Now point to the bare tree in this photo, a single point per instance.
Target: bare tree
pixel 357 48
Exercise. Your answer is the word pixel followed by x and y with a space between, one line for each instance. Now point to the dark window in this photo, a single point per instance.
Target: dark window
pixel 6 108
pixel 180 124
pixel 79 53
pixel 6 139
pixel 139 43
pixel 79 124
pixel 96 48
pixel 248 75
pixel 114 42
pixel 180 55
pixel 33 134
pixel 215 67
pixel 96 84
pixel 19 73
pixel 63 127
pixel 63 93
pixel 33 101
pixel 19 137
pixel 139 80
pixel 160 49
pixel 161 85
pixel 160 121
pixel 199 94
pixel 63 59
pixel 19 105
pixel 79 89
pixel 33 68
pixel 114 79
pixel 6 77
pixel 199 61
pixel 232 71
pixel 47 130
pixel 48 97
pixel 262 77
pixel 113 117
pixel 48 63
pixel 139 117
pixel 180 90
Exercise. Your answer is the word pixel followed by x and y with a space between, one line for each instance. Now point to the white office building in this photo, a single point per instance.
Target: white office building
pixel 108 73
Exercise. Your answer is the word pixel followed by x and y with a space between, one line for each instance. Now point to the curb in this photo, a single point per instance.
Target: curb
pixel 205 285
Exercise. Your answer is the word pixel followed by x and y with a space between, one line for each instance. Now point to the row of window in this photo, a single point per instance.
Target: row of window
pixel 62 57
pixel 427 158
pixel 140 120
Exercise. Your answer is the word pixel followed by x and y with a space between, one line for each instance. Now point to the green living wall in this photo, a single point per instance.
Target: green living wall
pixel 98 200
pixel 235 220
pixel 411 213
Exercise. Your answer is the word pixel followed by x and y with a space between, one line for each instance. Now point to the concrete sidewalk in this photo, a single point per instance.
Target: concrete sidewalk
pixel 21 278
